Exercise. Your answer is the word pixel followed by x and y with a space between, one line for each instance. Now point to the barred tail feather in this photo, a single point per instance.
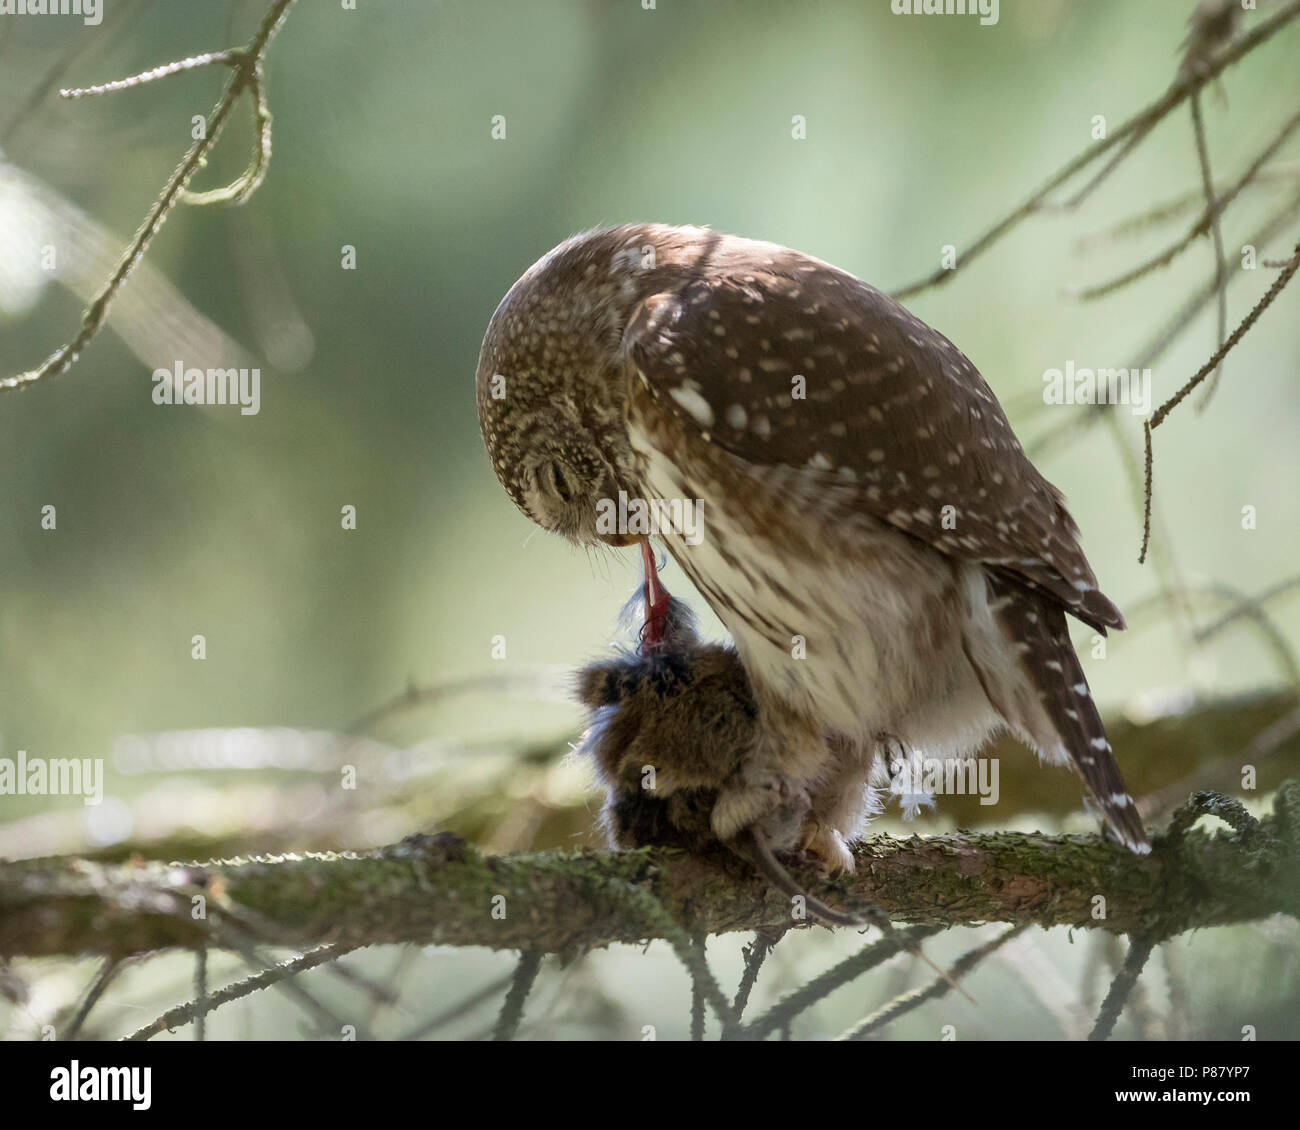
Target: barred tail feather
pixel 1068 719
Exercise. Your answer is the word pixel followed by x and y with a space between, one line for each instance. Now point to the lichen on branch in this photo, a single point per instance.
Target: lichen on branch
pixel 439 890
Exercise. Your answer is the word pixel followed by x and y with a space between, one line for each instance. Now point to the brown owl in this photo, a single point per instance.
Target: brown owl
pixel 890 564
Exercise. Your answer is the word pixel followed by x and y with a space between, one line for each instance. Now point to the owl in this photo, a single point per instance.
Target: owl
pixel 893 569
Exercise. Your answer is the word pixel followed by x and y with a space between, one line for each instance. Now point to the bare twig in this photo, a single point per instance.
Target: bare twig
pixel 1127 136
pixel 940 987
pixel 201 991
pixel 1213 209
pixel 327 1020
pixel 1206 221
pixel 1252 609
pixel 755 955
pixel 391 983
pixel 1120 989
pixel 462 1008
pixel 184 1013
pixel 780 1015
pixel 1247 607
pixel 1160 342
pixel 231 58
pixel 250 180
pixel 512 1009
pixel 1206 803
pixel 108 971
pixel 647 908
pixel 1242 607
pixel 247 76
pixel 379 994
pixel 1166 211
pixel 1169 575
pixel 697 996
pixel 1222 773
pixel 528 680
pixel 1162 413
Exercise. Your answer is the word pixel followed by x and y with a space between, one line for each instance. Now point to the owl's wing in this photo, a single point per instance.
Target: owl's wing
pixel 798 364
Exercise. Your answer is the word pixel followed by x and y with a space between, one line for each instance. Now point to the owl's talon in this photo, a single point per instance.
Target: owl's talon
pixel 827 847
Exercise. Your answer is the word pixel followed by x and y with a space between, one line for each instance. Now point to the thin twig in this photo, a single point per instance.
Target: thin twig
pixel 1213 210
pixel 1095 182
pixel 1242 607
pixel 1206 803
pixel 512 1010
pixel 875 916
pixel 1169 575
pixel 1266 744
pixel 327 1020
pixel 1208 220
pixel 1278 285
pixel 246 76
pixel 456 1011
pixel 940 987
pixel 652 912
pixel 413 696
pixel 232 58
pixel 697 998
pixel 392 985
pixel 755 955
pixel 1162 413
pixel 108 971
pixel 239 190
pixel 379 995
pixel 1160 342
pixel 1167 210
pixel 784 1011
pixel 1247 607
pixel 1126 135
pixel 201 991
pixel 1138 951
pixel 184 1013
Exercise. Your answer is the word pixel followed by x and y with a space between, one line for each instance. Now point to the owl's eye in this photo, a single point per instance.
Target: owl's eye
pixel 560 484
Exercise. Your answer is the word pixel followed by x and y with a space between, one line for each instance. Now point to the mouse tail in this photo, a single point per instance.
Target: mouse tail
pixel 759 853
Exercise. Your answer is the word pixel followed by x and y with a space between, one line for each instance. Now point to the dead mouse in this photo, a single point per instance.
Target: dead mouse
pixel 672 724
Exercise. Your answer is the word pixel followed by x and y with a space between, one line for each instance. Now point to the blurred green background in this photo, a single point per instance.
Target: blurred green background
pixel 174 522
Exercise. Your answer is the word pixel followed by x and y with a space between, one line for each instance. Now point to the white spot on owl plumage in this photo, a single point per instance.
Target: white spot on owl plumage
pixel 694 404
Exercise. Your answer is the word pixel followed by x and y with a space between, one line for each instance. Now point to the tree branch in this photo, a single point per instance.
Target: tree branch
pixel 438 890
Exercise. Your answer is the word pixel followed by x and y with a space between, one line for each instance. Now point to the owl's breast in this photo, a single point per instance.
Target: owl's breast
pixel 848 622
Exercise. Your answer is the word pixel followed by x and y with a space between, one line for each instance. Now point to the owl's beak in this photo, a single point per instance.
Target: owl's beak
pixel 656 597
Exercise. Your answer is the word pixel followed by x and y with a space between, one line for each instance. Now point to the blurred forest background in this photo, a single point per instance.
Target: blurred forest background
pixel 176 522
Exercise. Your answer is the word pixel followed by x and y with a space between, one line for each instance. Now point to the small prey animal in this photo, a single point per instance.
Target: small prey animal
pixel 672 723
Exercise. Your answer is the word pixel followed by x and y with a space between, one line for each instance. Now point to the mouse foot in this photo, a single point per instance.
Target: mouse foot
pixel 826 847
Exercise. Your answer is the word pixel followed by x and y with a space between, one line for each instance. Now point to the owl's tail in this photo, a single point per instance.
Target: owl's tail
pixel 1037 627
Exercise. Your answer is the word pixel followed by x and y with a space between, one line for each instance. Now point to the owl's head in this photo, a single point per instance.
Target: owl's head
pixel 552 383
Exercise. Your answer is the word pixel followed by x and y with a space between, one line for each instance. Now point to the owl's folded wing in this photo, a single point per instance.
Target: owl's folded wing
pixel 802 366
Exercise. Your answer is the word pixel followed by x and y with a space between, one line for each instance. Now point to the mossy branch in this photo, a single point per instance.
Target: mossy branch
pixel 438 890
